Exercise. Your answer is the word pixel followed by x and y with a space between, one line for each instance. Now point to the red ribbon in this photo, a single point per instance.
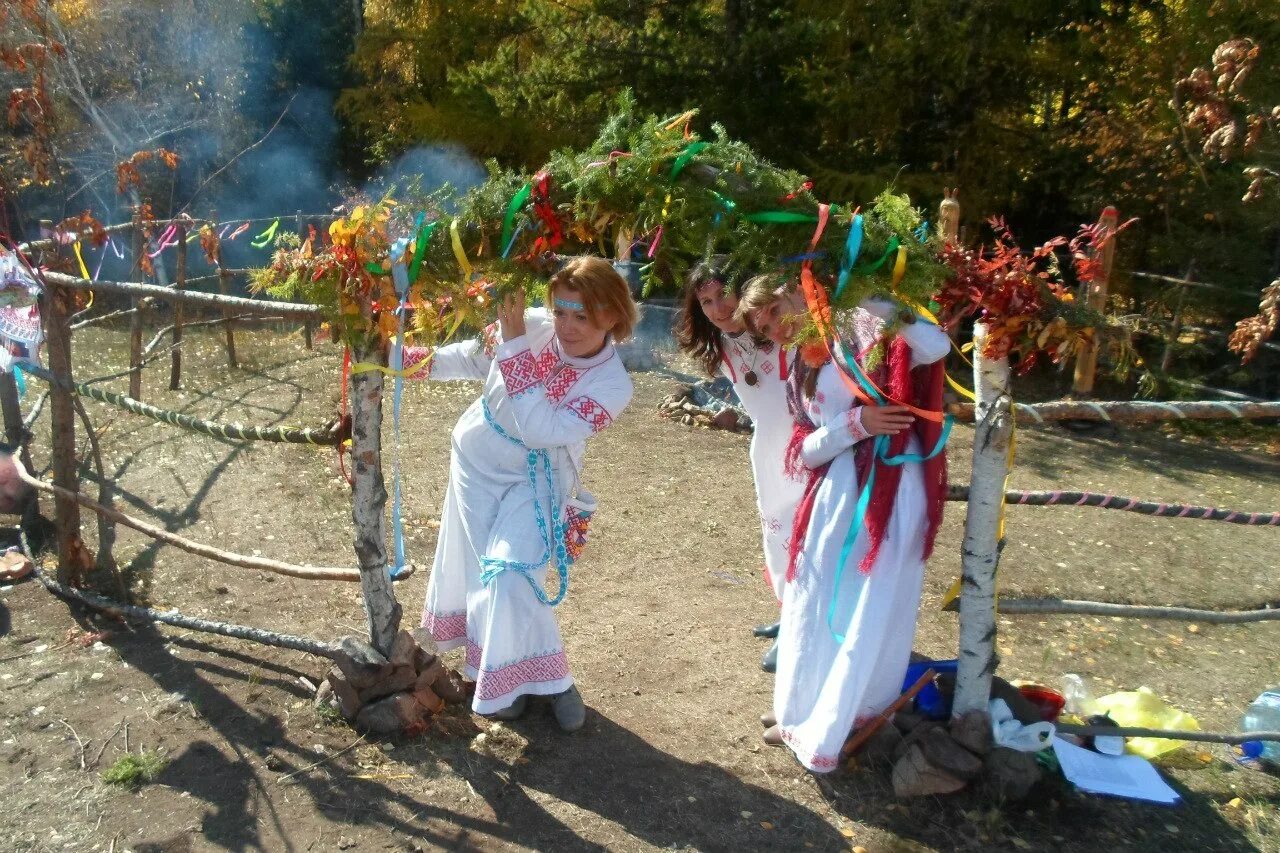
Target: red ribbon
pixel 547 213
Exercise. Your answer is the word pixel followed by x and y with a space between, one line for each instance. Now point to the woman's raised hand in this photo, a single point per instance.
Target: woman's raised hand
pixel 886 420
pixel 511 315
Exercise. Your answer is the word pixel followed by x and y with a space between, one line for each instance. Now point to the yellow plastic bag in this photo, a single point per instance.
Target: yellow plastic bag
pixel 1143 709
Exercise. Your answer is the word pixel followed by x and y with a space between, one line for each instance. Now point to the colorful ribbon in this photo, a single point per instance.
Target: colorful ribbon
pixel 458 252
pixel 513 207
pixel 84 270
pixel 684 158
pixel 852 247
pixel 263 239
pixel 400 277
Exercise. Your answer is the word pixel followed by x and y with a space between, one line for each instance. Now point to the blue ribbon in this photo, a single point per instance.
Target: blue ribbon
pixel 879 454
pixel 552 540
pixel 922 232
pixel 852 247
pixel 20 381
pixel 400 278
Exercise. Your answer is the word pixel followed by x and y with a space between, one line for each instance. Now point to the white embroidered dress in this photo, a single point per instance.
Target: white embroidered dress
pixel 824 687
pixel 766 403
pixel 547 400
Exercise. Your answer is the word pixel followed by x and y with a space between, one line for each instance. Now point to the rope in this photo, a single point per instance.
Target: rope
pixel 1102 501
pixel 326 436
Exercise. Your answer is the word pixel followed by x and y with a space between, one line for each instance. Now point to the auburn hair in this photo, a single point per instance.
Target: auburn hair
pixel 697 336
pixel 603 291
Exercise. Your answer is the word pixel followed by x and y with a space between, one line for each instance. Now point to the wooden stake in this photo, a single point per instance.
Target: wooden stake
pixel 369 500
pixel 949 215
pixel 1087 360
pixel 175 360
pixel 135 320
pixel 306 322
pixel 981 553
pixel 223 276
pixel 855 742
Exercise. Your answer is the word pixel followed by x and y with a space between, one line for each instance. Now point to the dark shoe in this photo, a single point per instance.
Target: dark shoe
pixel 569 710
pixel 768 720
pixel 773 736
pixel 769 663
pixel 514 711
pixel 770 631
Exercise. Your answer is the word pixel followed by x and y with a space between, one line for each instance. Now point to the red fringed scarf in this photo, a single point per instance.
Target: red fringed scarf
pixel 922 388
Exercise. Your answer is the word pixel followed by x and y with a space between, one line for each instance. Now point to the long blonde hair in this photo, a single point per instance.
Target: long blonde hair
pixel 758 293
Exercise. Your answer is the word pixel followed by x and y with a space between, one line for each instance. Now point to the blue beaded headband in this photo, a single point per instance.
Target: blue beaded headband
pixel 568 305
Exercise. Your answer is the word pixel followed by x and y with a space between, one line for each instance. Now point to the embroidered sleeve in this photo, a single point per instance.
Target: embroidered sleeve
pixel 518 367
pixel 590 412
pixel 827 442
pixel 465 360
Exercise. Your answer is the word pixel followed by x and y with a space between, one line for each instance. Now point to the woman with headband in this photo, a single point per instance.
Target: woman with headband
pixel 552 383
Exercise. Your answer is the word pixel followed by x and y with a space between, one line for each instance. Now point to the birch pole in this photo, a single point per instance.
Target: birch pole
pixel 135 320
pixel 981 553
pixel 369 499
pixel 179 309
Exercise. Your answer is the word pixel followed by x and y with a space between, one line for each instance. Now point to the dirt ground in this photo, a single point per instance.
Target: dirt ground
pixel 657 630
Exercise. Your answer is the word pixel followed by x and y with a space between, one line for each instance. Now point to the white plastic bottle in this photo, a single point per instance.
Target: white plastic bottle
pixel 1264 716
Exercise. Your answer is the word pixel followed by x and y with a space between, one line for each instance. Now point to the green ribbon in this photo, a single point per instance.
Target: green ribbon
pixel 424 237
pixel 263 239
pixel 513 207
pixel 775 217
pixel 889 251
pixel 690 151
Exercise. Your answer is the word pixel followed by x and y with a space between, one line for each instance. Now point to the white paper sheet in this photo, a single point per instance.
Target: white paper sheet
pixel 1129 776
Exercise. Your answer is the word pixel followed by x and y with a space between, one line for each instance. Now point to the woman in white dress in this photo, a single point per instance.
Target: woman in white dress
pixel 708 330
pixel 552 383
pixel 849 607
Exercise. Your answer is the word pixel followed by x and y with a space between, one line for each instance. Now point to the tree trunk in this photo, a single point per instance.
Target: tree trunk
pixel 223 275
pixel 981 552
pixel 73 559
pixel 369 501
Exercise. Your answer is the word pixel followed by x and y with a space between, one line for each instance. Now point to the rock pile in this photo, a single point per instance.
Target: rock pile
pixel 394 694
pixel 931 757
pixel 681 406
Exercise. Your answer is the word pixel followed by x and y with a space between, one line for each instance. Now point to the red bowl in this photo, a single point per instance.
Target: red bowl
pixel 1049 701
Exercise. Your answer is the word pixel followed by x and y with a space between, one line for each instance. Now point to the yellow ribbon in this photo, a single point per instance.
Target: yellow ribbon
pixel 367 366
pixel 900 266
pixel 458 251
pixel 84 270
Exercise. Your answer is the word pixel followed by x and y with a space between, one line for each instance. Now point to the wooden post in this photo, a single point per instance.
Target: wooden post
pixel 135 319
pixel 73 558
pixel 369 500
pixel 306 322
pixel 1096 298
pixel 981 553
pixel 180 283
pixel 949 215
pixel 223 276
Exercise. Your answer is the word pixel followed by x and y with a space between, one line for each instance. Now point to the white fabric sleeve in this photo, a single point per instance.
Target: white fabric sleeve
pixel 928 343
pixel 544 424
pixel 827 442
pixel 465 360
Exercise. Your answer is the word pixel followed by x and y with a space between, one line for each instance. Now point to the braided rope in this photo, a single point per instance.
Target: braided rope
pixel 328 436
pixel 1101 501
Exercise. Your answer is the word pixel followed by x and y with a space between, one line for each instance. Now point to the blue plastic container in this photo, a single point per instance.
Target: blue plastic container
pixel 929 701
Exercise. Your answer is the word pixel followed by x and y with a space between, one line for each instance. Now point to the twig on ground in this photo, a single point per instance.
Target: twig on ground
pixel 29 654
pixel 112 737
pixel 327 758
pixel 78 741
